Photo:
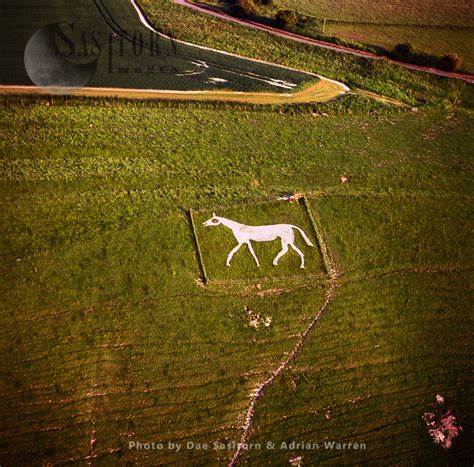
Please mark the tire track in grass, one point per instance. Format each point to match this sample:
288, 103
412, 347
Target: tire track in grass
322, 91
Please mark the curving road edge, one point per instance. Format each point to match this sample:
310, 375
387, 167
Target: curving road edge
325, 45
322, 91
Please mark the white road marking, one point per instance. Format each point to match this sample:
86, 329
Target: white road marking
217, 80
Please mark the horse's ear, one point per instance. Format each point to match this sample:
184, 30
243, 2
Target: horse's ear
214, 214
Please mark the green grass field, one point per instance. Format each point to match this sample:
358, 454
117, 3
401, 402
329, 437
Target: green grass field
426, 12
432, 27
435, 28
109, 334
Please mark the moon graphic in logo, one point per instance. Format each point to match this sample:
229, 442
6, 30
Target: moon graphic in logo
52, 70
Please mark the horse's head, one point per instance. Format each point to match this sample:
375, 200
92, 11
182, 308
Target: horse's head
213, 221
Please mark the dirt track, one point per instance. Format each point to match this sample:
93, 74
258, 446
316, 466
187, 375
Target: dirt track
322, 91
325, 45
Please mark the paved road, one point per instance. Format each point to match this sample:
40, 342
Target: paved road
306, 40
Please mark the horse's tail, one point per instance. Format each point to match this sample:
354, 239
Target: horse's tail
305, 237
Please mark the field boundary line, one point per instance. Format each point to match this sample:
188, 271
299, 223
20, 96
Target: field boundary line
202, 267
317, 227
440, 269
316, 194
296, 278
322, 91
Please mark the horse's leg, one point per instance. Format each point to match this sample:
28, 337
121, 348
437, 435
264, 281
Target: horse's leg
232, 253
253, 253
284, 250
299, 252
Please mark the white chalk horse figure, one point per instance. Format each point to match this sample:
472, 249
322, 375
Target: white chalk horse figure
263, 233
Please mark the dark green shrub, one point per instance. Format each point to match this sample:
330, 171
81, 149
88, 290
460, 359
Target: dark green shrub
246, 7
449, 62
424, 59
403, 52
286, 19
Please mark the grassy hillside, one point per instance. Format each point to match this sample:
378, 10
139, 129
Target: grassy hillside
371, 370
383, 78
431, 26
415, 12
109, 336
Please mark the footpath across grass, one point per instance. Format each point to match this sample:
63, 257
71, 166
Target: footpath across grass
370, 370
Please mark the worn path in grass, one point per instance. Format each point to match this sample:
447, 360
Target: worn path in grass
291, 356
259, 392
325, 45
322, 91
